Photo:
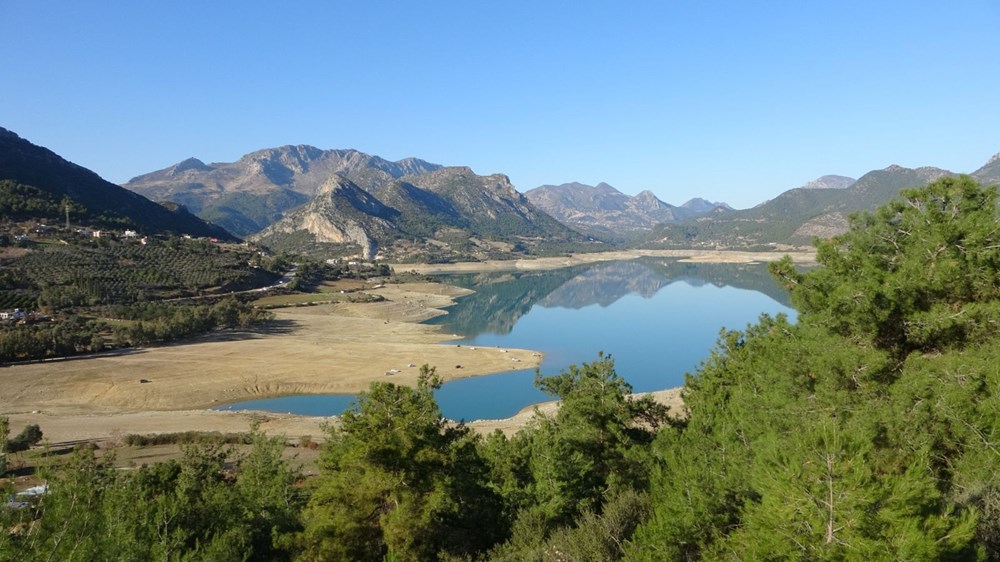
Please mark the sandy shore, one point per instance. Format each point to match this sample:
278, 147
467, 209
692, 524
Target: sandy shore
337, 348
539, 264
333, 348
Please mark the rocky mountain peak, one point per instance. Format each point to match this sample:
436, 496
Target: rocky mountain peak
647, 200
185, 165
830, 182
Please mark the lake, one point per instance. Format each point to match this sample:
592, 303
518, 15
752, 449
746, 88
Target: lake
657, 318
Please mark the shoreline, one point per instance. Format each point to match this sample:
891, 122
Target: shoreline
545, 263
335, 348
325, 349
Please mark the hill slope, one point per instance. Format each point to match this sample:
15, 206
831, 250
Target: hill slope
247, 195
797, 215
37, 172
989, 174
447, 213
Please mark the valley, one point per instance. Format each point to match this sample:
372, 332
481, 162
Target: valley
340, 347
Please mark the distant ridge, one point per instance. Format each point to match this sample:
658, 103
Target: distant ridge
989, 173
819, 209
602, 210
830, 182
105, 203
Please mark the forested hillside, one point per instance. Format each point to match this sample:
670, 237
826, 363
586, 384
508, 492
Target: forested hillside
37, 183
868, 430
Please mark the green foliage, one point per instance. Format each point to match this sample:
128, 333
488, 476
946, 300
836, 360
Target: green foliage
196, 508
919, 274
187, 438
30, 436
591, 446
558, 478
4, 436
19, 201
122, 272
867, 430
397, 478
148, 323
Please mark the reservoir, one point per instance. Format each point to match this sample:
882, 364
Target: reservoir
657, 318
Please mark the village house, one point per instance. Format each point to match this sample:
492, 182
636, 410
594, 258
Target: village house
16, 314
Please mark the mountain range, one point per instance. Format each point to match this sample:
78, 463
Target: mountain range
819, 209
301, 198
43, 183
304, 199
604, 211
248, 195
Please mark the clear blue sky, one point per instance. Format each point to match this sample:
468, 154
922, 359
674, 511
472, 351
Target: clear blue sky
734, 101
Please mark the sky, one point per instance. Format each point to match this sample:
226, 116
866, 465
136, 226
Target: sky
732, 101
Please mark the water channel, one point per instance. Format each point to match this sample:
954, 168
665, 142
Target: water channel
657, 318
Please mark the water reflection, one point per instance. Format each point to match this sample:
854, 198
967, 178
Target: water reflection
502, 298
657, 318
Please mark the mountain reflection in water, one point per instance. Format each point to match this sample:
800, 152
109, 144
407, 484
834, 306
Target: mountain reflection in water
502, 298
658, 319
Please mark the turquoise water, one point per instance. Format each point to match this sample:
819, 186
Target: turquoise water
658, 320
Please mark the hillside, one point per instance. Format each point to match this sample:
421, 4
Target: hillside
989, 174
36, 181
604, 211
449, 213
248, 195
818, 209
341, 214
830, 182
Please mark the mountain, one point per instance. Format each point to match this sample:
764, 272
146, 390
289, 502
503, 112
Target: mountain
989, 174
830, 182
342, 213
797, 215
697, 207
604, 211
446, 213
37, 172
247, 195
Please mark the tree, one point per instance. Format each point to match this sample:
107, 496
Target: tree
593, 444
4, 434
564, 470
866, 430
398, 479
31, 435
920, 273
193, 508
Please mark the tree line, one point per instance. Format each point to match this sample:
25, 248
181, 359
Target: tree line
124, 326
866, 430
